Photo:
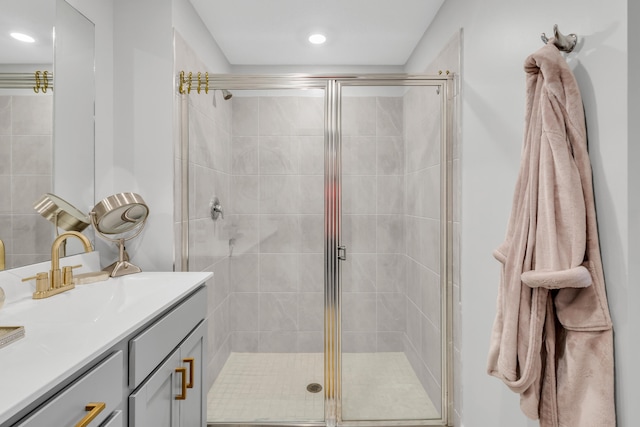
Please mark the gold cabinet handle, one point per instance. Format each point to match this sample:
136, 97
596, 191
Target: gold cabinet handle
183, 372
191, 362
94, 409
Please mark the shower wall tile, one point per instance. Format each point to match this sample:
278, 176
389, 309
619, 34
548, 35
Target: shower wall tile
278, 342
5, 155
245, 272
200, 144
277, 115
391, 311
30, 233
312, 233
359, 194
220, 325
389, 117
278, 311
390, 234
359, 312
245, 231
430, 295
359, 233
221, 150
311, 311
280, 233
359, 342
245, 155
221, 291
311, 272
279, 155
5, 115
243, 311
390, 189
311, 151
31, 155
311, 194
27, 188
244, 119
310, 342
32, 115
391, 273
279, 272
359, 273
390, 341
245, 341
421, 127
358, 155
358, 116
279, 194
310, 116
209, 183
246, 194
424, 186
414, 326
431, 350
5, 196
390, 155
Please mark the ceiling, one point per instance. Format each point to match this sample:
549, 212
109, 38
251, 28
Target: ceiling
33, 17
275, 32
264, 32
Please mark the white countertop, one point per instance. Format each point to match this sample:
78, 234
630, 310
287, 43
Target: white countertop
68, 330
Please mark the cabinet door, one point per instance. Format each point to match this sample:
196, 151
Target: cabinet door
101, 385
154, 403
193, 408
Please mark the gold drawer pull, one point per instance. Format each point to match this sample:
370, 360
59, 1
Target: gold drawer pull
94, 409
183, 372
191, 362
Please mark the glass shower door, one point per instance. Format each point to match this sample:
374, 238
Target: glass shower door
392, 227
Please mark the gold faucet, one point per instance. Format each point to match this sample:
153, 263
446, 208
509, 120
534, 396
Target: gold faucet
58, 281
2, 254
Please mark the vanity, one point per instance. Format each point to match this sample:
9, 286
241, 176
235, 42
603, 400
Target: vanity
128, 351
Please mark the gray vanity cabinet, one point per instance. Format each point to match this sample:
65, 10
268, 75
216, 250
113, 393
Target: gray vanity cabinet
166, 364
95, 396
173, 395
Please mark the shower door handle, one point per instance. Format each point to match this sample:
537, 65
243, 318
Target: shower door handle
342, 253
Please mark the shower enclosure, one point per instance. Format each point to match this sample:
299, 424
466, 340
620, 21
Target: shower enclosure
323, 206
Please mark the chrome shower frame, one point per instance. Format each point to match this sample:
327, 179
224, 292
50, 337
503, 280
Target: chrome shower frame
332, 85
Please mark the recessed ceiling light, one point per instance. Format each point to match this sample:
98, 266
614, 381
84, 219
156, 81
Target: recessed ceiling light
23, 37
317, 38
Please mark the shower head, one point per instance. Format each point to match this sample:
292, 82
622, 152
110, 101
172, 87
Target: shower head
226, 94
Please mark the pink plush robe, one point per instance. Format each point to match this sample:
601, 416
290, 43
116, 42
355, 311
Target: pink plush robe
552, 339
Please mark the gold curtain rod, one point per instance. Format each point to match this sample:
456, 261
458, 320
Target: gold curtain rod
39, 81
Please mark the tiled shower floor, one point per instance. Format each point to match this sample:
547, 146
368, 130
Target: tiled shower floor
254, 387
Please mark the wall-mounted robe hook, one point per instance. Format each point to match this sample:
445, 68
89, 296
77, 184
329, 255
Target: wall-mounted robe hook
562, 42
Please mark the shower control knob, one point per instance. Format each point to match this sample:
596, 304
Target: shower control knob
216, 209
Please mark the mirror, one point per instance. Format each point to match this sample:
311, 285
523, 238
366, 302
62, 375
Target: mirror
46, 139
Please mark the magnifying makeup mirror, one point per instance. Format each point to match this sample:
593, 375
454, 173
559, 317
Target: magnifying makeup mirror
123, 214
62, 214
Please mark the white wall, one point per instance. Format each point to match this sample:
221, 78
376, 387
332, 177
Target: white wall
498, 36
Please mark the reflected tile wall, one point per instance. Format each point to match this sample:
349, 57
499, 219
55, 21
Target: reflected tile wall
25, 174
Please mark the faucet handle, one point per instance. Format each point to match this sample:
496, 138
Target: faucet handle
42, 281
67, 274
